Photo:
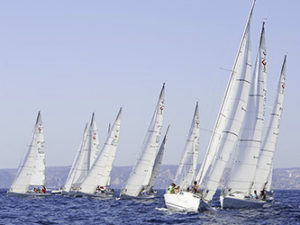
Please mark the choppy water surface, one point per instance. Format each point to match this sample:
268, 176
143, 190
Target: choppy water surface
65, 210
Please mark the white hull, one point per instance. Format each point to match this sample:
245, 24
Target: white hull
97, 195
141, 197
183, 201
33, 194
233, 202
56, 192
70, 193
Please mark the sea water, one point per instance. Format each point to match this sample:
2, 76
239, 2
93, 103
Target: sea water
58, 209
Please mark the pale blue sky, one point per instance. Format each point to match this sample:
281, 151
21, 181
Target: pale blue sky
70, 58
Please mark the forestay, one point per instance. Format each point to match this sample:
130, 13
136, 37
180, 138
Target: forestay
247, 151
187, 167
264, 166
99, 174
157, 162
32, 168
73, 170
142, 171
231, 116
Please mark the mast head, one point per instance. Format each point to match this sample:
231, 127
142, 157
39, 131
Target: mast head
39, 117
92, 120
119, 114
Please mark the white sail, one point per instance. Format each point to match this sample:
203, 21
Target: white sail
187, 167
83, 164
142, 171
72, 172
158, 161
247, 151
269, 182
32, 169
264, 166
230, 118
99, 174
94, 140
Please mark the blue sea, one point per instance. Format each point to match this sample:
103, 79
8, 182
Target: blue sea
57, 209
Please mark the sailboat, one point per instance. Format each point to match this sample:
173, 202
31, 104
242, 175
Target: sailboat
141, 173
185, 200
86, 154
30, 178
237, 193
263, 173
156, 168
74, 172
229, 122
97, 182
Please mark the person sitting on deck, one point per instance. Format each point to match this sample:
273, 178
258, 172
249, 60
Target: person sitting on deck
102, 189
195, 188
171, 188
255, 195
263, 194
44, 190
151, 191
177, 189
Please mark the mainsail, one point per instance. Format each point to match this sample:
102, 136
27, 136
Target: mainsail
99, 174
32, 169
247, 151
264, 166
187, 167
94, 140
142, 171
73, 171
157, 162
230, 118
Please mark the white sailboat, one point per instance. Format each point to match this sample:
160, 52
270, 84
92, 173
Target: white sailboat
142, 171
31, 173
74, 173
230, 119
89, 149
185, 200
238, 188
263, 174
157, 164
97, 182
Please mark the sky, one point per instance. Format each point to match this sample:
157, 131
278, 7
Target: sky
71, 58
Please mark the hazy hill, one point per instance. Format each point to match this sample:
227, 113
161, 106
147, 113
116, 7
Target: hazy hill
287, 178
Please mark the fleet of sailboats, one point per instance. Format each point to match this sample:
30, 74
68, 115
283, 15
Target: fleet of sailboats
238, 142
